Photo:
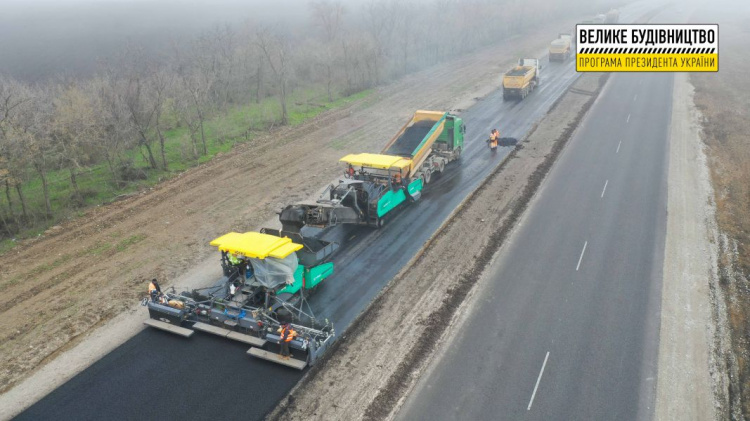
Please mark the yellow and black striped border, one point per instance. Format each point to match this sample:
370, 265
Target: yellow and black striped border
647, 47
644, 50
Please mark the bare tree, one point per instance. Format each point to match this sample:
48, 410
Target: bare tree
135, 94
194, 103
160, 83
116, 131
329, 17
75, 129
276, 49
30, 133
15, 98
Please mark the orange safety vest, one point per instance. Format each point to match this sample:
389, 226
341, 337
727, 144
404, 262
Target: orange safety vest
287, 335
397, 178
151, 287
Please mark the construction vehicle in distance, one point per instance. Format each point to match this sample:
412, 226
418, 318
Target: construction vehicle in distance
266, 280
521, 80
376, 184
613, 16
560, 48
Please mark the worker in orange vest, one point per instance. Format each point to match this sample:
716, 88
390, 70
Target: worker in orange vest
350, 171
494, 139
154, 290
286, 334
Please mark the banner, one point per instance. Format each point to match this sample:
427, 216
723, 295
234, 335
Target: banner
647, 48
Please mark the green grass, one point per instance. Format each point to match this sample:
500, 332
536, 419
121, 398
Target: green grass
225, 129
6, 245
133, 239
98, 249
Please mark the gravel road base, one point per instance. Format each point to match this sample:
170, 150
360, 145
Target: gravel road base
383, 354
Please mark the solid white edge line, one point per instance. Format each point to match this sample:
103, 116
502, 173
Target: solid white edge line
605, 188
628, 120
618, 147
582, 251
538, 379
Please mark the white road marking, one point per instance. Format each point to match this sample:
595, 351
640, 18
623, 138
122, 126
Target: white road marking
628, 121
635, 97
538, 379
581, 258
618, 146
605, 188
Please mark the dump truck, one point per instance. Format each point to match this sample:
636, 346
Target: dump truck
267, 279
613, 16
376, 184
521, 80
560, 48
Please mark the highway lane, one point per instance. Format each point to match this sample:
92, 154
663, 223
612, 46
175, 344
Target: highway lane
565, 324
155, 374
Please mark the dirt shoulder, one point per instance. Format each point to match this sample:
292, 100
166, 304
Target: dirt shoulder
380, 359
58, 289
685, 387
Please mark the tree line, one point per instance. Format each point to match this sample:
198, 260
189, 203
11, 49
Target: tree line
66, 126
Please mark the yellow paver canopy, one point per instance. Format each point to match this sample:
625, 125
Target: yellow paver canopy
256, 245
372, 160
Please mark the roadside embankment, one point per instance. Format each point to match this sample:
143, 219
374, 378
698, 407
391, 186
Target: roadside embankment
723, 100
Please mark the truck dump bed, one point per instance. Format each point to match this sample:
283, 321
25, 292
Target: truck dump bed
518, 71
416, 138
406, 143
518, 77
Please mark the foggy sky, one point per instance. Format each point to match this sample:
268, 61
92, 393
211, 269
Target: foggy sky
41, 38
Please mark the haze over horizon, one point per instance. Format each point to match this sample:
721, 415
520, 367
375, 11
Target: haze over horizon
42, 38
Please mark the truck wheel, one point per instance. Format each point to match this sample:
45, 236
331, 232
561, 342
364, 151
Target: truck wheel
380, 222
427, 177
457, 153
441, 166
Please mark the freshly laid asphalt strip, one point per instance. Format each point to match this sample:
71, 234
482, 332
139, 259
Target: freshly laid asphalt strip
156, 375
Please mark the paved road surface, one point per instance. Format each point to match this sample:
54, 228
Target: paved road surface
569, 313
155, 374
